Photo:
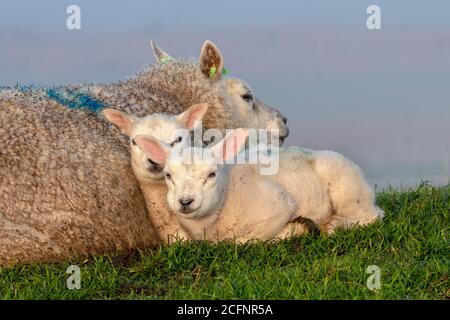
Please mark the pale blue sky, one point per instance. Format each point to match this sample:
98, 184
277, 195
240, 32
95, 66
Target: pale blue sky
380, 97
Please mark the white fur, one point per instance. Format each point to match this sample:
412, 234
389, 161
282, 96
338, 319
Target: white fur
241, 204
351, 197
238, 203
225, 206
167, 129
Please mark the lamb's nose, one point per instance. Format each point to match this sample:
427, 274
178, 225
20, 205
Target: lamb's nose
284, 119
186, 202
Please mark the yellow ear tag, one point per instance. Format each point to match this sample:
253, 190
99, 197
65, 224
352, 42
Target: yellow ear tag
212, 71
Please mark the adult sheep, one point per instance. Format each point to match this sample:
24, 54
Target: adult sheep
66, 185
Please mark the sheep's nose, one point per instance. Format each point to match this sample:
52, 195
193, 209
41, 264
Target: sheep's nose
186, 202
281, 116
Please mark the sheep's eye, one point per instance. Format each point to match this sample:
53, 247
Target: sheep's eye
177, 140
212, 175
248, 97
168, 176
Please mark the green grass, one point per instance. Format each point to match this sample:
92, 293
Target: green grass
411, 247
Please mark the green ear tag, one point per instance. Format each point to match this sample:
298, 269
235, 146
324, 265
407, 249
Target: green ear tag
165, 59
212, 71
224, 71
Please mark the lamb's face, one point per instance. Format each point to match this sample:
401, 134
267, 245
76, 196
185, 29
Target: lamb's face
166, 129
197, 178
195, 187
169, 130
248, 111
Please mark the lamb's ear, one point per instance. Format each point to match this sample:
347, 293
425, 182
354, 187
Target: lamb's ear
156, 150
231, 145
119, 119
159, 54
211, 61
194, 113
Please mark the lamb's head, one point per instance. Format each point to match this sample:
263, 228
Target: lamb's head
168, 129
233, 104
197, 178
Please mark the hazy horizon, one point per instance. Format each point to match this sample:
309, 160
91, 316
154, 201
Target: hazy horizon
380, 97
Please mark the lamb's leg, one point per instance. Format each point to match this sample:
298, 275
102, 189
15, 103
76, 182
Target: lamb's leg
352, 198
340, 221
292, 229
297, 227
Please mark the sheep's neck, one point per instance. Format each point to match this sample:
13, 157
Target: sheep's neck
163, 88
199, 228
149, 89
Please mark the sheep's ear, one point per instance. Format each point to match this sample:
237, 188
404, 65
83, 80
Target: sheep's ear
231, 145
159, 54
192, 114
211, 61
155, 149
119, 119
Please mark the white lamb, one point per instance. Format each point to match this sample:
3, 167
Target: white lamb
352, 198
168, 129
215, 201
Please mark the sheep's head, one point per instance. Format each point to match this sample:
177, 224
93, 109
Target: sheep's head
233, 104
197, 178
169, 130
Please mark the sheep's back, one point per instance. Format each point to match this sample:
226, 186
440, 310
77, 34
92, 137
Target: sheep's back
66, 185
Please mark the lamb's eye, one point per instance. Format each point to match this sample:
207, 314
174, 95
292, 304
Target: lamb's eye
212, 175
248, 97
177, 140
168, 176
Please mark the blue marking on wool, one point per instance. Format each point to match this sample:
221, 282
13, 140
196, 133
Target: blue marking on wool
71, 98
74, 99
